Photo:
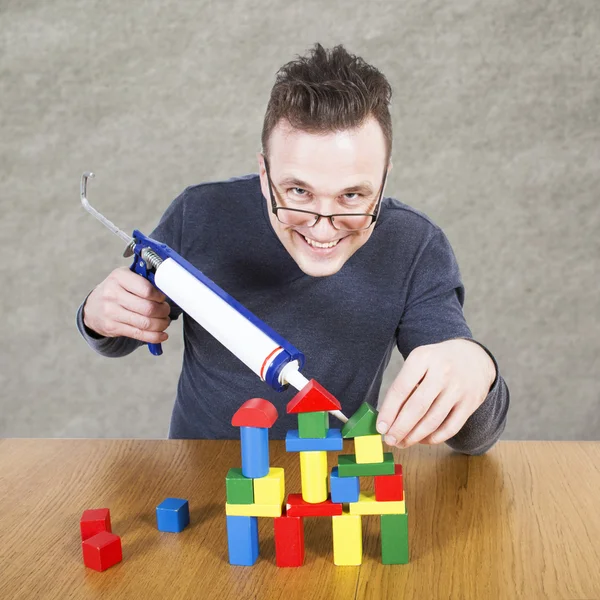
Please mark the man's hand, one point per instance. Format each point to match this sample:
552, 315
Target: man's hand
439, 387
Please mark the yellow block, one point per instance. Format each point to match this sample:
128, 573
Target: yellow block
313, 473
367, 505
253, 510
271, 488
347, 539
368, 448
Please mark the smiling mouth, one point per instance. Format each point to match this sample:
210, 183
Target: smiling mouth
314, 245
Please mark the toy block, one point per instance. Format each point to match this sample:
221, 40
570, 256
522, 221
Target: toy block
271, 488
94, 521
362, 422
394, 539
255, 451
347, 539
348, 467
332, 441
256, 412
343, 489
242, 540
368, 505
102, 551
253, 510
313, 476
297, 507
313, 424
389, 487
289, 541
173, 515
239, 489
368, 449
313, 397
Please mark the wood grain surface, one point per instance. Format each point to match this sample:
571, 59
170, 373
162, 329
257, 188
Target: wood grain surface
522, 521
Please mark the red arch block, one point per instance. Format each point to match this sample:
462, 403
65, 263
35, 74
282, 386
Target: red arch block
256, 412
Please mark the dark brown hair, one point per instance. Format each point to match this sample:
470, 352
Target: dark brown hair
328, 90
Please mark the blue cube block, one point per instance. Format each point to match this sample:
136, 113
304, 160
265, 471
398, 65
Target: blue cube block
173, 515
255, 451
242, 540
343, 489
332, 441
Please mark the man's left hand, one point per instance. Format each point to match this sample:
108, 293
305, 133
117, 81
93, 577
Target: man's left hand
438, 388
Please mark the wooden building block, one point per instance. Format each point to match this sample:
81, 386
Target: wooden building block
94, 521
343, 489
362, 422
313, 424
253, 510
271, 488
347, 539
348, 467
289, 541
255, 451
102, 551
369, 449
389, 487
394, 539
242, 540
173, 515
313, 474
239, 489
297, 507
368, 505
313, 397
332, 441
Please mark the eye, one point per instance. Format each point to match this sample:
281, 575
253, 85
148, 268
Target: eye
298, 192
352, 196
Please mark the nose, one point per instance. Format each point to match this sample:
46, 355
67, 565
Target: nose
323, 231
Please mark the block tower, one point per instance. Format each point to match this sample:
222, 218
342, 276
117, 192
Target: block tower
255, 490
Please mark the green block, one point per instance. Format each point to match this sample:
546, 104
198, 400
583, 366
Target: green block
240, 489
313, 424
348, 467
394, 539
362, 422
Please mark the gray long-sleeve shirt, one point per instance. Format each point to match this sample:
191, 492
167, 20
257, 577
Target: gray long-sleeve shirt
402, 287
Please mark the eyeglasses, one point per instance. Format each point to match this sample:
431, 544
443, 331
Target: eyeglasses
306, 218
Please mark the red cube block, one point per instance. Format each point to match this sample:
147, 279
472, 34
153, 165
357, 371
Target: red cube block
289, 541
389, 487
94, 521
102, 551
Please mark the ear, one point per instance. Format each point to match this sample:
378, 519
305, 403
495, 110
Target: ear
262, 173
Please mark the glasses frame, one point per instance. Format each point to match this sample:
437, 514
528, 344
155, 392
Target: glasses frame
275, 208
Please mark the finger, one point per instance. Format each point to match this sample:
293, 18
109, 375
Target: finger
149, 337
450, 427
141, 306
127, 317
402, 387
414, 409
138, 285
435, 416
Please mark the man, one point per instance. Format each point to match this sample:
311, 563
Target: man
313, 248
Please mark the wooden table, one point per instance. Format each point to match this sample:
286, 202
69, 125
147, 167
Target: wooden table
522, 521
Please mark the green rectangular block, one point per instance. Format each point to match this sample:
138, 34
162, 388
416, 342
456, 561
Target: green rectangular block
394, 539
240, 489
313, 424
348, 467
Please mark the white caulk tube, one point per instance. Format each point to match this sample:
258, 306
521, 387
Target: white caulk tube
262, 350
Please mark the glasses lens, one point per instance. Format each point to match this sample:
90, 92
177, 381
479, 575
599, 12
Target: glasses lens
352, 222
289, 216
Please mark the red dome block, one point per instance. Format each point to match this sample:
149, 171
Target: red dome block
313, 397
256, 412
389, 487
94, 521
102, 551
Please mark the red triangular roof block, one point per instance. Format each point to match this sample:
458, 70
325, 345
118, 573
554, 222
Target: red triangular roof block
313, 397
256, 412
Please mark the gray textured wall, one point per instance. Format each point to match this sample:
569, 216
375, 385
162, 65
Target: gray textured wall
496, 110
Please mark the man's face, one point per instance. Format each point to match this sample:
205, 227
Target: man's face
329, 173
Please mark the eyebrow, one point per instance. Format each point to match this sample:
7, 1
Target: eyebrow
364, 187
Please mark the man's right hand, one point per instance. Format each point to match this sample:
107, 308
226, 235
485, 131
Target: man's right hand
126, 304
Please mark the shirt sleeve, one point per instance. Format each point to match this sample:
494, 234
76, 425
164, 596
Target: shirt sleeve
434, 313
168, 231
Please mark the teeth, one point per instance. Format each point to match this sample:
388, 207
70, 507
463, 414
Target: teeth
319, 245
